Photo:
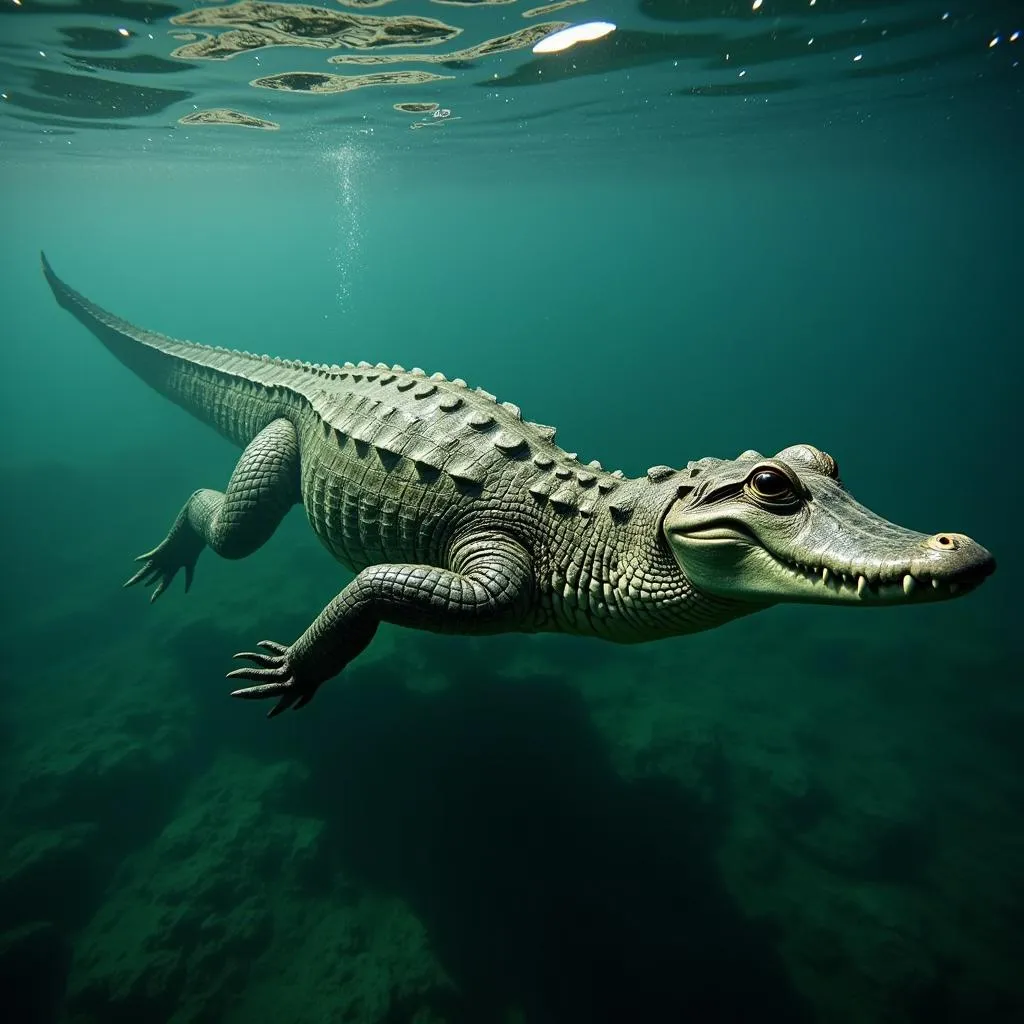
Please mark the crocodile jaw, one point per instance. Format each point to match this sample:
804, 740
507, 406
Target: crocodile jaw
809, 542
730, 562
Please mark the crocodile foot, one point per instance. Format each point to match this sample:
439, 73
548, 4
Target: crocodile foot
275, 675
179, 550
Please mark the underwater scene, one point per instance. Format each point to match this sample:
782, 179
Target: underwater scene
708, 708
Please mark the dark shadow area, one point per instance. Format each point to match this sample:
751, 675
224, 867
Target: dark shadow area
34, 962
546, 882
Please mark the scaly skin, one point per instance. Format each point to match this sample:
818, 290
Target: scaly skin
458, 516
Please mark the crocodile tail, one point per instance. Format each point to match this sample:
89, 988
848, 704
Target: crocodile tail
189, 374
153, 357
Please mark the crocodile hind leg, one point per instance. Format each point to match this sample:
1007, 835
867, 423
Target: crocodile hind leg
235, 522
486, 588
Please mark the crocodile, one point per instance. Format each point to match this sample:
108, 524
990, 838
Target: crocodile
458, 516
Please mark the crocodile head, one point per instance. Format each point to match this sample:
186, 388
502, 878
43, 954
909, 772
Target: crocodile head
784, 529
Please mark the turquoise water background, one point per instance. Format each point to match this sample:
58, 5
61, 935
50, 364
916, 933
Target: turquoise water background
813, 814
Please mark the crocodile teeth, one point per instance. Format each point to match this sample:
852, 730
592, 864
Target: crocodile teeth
825, 575
862, 585
908, 584
935, 584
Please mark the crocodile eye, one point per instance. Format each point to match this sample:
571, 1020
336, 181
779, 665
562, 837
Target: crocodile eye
771, 485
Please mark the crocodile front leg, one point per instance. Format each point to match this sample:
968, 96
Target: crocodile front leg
487, 588
235, 523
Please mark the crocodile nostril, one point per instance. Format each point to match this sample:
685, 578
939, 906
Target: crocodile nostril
942, 542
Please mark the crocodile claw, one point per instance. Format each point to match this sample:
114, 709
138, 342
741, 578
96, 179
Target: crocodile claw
274, 676
161, 565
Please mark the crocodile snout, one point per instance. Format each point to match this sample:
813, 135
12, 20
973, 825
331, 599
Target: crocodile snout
955, 557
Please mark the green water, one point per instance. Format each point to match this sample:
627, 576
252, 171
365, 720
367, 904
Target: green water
814, 814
